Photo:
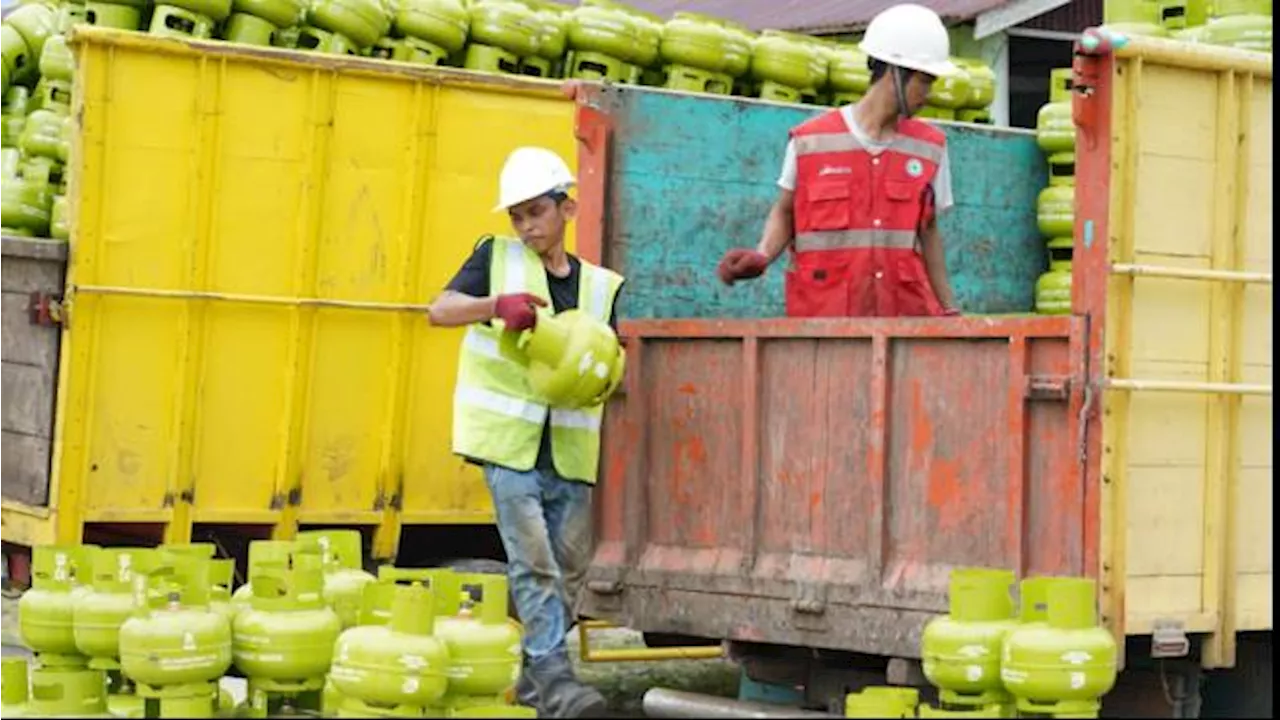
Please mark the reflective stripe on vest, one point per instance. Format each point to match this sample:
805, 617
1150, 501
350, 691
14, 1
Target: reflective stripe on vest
848, 198
496, 416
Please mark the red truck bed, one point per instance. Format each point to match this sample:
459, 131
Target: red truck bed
812, 483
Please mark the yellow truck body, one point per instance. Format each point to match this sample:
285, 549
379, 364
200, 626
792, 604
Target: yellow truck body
256, 234
1183, 196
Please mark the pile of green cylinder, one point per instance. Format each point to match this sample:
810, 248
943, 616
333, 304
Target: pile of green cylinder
1243, 24
36, 127
1055, 207
990, 658
142, 632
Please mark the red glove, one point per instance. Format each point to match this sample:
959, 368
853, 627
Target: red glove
741, 264
518, 310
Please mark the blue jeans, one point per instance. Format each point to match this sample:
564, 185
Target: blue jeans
545, 524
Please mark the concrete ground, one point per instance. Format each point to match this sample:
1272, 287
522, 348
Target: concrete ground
623, 684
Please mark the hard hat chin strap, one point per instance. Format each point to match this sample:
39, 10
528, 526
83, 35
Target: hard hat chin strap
900, 78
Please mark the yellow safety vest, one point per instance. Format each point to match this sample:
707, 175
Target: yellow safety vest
496, 416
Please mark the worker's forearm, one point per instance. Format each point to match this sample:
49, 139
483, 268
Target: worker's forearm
935, 264
454, 309
779, 230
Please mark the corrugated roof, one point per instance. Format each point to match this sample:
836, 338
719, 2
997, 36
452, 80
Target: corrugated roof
812, 16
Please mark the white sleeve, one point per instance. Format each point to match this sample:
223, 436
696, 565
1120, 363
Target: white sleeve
787, 180
942, 198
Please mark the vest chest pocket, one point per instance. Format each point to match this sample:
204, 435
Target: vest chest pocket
906, 202
829, 204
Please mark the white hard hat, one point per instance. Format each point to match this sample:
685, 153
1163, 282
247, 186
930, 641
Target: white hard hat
531, 172
910, 36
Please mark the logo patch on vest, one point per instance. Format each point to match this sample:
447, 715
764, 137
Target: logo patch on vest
915, 168
834, 170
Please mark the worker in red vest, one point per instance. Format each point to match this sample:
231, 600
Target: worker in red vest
861, 189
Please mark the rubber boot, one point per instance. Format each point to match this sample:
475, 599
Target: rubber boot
560, 693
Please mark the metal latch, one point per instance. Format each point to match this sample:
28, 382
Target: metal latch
1169, 640
44, 309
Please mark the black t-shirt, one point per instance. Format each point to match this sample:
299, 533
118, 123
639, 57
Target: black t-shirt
473, 279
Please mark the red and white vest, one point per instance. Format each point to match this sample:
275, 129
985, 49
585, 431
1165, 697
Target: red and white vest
857, 218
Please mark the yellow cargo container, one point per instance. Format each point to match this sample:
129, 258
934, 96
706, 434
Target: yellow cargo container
258, 231
1176, 176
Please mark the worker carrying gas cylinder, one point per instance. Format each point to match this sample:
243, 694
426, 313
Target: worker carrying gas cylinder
539, 462
862, 187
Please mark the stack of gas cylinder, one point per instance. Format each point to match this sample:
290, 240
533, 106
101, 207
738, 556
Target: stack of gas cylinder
595, 40
1055, 207
36, 129
989, 659
129, 632
1244, 24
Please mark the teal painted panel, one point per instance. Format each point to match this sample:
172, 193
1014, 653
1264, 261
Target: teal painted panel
693, 175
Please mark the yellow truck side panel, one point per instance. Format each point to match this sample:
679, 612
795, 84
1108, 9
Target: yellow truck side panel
1191, 201
219, 388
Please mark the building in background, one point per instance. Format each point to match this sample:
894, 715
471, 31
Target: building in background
1020, 39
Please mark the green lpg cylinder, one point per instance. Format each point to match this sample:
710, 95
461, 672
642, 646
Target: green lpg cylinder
13, 687
553, 18
598, 28
882, 702
1056, 211
648, 34
9, 159
739, 45
780, 58
361, 22
1065, 664
1062, 169
483, 642
35, 23
221, 574
176, 647
255, 22
982, 83
1053, 289
1055, 129
56, 61
260, 552
112, 15
401, 665
17, 56
108, 603
26, 208
60, 574
961, 650
103, 610
849, 73
42, 134
344, 579
575, 360
284, 642
442, 23
1060, 84
952, 91
696, 41
510, 26
1144, 17
1244, 32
